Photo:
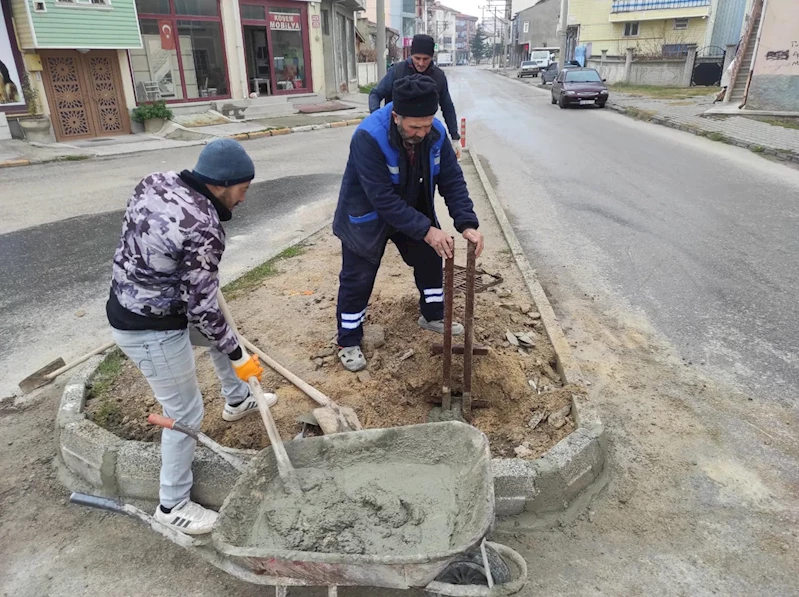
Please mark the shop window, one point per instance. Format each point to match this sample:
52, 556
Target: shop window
156, 71
153, 7
253, 12
285, 25
197, 8
203, 58
180, 59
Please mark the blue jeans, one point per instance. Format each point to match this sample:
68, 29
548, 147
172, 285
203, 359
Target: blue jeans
166, 360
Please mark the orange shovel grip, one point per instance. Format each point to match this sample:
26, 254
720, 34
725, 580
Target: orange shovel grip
160, 420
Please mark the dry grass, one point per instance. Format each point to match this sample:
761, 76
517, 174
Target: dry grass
675, 93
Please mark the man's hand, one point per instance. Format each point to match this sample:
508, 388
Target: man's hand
441, 242
245, 369
456, 146
476, 237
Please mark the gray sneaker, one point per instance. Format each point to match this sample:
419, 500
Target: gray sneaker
438, 326
352, 358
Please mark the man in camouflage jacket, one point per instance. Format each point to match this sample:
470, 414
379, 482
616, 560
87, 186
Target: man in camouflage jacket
165, 281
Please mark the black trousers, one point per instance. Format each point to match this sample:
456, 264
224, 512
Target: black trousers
357, 279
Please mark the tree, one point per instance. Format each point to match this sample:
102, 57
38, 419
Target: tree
478, 45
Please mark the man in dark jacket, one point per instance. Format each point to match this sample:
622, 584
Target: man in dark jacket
398, 156
421, 62
165, 279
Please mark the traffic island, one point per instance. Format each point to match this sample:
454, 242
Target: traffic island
547, 440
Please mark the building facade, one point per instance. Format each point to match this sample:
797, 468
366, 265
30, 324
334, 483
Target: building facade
535, 27
465, 30
774, 75
92, 61
650, 27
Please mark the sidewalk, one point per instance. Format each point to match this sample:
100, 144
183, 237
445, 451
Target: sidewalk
20, 153
690, 115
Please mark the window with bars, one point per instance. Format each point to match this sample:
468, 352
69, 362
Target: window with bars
680, 24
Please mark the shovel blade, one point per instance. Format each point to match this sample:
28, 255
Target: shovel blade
342, 421
39, 378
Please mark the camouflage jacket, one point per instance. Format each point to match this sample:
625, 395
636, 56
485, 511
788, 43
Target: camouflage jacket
167, 261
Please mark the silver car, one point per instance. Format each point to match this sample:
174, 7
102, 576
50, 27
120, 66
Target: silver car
528, 68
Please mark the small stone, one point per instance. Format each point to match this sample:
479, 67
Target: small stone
504, 293
558, 418
515, 318
536, 419
246, 441
590, 516
407, 355
534, 315
523, 451
318, 363
526, 339
526, 308
326, 352
508, 306
486, 279
328, 360
374, 336
364, 376
80, 313
511, 337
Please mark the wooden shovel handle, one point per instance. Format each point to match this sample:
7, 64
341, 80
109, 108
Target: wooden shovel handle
78, 361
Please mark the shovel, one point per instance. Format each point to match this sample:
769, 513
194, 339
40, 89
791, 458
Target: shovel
331, 417
49, 372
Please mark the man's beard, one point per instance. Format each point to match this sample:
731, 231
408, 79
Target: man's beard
410, 140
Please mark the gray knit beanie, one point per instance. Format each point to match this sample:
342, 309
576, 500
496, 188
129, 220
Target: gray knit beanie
224, 163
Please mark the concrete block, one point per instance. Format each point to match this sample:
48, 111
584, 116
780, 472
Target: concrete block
138, 473
138, 470
278, 132
213, 478
513, 478
584, 412
90, 452
73, 400
319, 127
567, 469
302, 129
509, 506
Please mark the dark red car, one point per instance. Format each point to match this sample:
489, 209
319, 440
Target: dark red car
579, 87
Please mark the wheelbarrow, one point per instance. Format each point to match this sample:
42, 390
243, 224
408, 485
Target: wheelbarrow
459, 563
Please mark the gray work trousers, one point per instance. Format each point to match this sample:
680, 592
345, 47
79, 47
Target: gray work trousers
166, 360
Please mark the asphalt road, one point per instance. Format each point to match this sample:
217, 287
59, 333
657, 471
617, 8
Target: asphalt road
57, 242
698, 237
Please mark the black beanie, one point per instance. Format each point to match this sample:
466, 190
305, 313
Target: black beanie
415, 95
423, 44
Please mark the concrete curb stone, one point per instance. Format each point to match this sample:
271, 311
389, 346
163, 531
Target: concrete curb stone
130, 470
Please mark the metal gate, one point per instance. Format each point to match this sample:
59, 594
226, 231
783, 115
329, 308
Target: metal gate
709, 67
84, 92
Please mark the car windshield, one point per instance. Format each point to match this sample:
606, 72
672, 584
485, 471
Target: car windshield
582, 76
539, 55
528, 63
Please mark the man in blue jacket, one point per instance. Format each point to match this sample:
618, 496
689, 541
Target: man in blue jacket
420, 62
398, 156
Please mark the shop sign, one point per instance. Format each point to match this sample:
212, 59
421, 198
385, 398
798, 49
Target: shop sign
316, 22
10, 83
279, 21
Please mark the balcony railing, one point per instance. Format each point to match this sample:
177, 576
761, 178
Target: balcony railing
636, 5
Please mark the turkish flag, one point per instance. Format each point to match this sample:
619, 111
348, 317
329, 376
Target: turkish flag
167, 35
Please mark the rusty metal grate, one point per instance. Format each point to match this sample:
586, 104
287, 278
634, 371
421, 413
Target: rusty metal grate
479, 280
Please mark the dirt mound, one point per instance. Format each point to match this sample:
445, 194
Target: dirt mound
292, 317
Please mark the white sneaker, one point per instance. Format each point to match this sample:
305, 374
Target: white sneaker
248, 407
188, 517
438, 326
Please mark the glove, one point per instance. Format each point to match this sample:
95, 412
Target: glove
247, 367
456, 146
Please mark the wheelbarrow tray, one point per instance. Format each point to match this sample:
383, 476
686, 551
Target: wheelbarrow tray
460, 447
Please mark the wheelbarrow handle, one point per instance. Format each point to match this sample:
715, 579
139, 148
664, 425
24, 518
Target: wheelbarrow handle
95, 501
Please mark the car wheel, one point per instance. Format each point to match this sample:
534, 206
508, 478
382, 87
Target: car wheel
601, 104
563, 103
554, 101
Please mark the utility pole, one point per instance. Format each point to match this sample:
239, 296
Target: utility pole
564, 27
381, 39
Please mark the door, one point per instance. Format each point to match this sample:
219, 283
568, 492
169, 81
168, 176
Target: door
84, 92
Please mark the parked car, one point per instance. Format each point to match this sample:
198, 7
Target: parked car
548, 75
579, 87
528, 68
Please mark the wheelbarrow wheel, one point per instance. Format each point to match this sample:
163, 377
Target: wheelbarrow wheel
469, 569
